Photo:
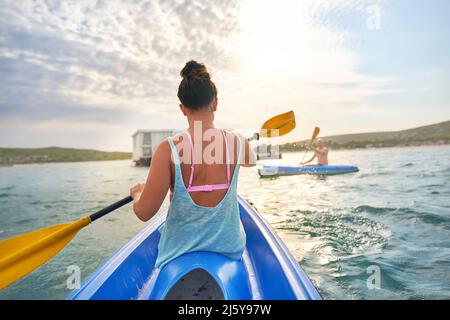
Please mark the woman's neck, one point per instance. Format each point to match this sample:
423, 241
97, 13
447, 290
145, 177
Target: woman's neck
205, 118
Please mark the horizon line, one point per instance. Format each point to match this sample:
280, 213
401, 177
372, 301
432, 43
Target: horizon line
293, 141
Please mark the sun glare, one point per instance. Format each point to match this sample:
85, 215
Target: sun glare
272, 33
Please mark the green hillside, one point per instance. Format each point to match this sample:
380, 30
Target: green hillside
55, 154
433, 134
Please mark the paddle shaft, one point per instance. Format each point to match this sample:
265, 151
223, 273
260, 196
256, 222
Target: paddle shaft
306, 151
110, 208
253, 137
315, 134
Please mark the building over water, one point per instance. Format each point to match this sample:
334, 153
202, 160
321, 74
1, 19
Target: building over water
145, 143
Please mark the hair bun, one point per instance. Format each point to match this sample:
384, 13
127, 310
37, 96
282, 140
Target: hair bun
195, 70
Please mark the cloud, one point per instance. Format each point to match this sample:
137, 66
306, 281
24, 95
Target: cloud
116, 64
119, 52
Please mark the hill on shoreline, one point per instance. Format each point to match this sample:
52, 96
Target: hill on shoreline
434, 134
9, 156
427, 135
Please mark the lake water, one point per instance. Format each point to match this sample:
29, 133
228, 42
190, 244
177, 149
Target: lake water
392, 216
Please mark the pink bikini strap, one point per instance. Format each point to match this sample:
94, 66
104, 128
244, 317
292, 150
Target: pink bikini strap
192, 159
209, 187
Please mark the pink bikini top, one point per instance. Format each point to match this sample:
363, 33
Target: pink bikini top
208, 187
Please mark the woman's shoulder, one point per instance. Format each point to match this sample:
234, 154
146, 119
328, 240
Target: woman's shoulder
164, 146
234, 135
177, 138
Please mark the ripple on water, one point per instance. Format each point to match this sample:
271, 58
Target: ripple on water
5, 195
409, 164
405, 214
24, 221
7, 188
341, 230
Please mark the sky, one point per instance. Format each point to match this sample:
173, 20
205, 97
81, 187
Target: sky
87, 74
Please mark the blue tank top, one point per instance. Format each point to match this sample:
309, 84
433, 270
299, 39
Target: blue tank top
190, 227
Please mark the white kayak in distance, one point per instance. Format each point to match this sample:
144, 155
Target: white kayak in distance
274, 171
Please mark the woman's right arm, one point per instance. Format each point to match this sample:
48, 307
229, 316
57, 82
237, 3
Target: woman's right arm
148, 198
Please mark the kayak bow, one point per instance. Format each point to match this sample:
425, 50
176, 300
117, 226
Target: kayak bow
267, 270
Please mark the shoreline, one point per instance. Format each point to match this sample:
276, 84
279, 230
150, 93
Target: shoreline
15, 156
6, 165
375, 148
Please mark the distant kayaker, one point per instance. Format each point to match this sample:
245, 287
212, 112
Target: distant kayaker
200, 166
320, 152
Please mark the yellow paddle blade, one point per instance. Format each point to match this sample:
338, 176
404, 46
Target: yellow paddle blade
22, 254
279, 125
315, 133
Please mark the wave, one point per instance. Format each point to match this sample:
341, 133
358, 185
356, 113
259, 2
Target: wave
407, 213
338, 230
8, 188
432, 186
370, 209
24, 221
409, 164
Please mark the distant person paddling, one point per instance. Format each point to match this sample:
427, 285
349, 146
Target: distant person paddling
320, 152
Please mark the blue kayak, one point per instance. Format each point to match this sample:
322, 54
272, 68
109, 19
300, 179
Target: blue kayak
267, 270
273, 171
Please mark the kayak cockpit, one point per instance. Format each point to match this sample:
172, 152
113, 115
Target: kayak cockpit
200, 275
195, 285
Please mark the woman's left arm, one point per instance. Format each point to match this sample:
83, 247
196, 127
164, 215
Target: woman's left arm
148, 197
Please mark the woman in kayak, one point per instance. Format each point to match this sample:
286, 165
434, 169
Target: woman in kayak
321, 153
202, 176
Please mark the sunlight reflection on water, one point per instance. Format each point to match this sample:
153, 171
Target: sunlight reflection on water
395, 215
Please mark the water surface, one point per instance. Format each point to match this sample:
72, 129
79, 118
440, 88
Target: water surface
394, 214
